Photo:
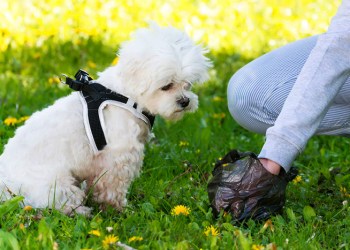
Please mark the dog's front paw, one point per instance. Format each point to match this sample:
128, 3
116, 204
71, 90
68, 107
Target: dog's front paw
83, 210
86, 211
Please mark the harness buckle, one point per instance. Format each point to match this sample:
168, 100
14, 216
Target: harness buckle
82, 79
82, 76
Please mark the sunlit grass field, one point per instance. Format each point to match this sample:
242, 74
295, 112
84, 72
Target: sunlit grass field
168, 205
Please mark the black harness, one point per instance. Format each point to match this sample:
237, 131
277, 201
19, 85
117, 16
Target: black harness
94, 95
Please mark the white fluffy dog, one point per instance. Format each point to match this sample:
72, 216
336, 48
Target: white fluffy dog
51, 154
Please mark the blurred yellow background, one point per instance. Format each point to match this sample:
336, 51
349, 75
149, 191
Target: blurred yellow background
249, 27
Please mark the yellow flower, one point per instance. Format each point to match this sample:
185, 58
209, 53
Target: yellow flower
211, 231
54, 79
344, 192
115, 61
180, 209
297, 179
10, 121
257, 247
109, 240
183, 143
23, 118
135, 238
95, 232
27, 208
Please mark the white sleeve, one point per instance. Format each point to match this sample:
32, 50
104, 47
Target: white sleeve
319, 81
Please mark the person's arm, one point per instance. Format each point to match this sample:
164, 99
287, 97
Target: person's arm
321, 78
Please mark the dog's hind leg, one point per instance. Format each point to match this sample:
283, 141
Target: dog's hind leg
67, 197
111, 190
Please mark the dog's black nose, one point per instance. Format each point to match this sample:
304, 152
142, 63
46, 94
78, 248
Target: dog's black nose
183, 102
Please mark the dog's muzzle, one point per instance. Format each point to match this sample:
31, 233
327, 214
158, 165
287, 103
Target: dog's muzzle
183, 102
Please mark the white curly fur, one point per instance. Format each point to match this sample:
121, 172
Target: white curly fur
50, 155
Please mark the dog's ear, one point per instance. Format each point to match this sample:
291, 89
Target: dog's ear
134, 75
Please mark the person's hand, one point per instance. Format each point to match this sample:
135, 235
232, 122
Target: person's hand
244, 188
271, 166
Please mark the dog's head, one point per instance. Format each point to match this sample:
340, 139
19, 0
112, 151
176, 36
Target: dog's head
158, 68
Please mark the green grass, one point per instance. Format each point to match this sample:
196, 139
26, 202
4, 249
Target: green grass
173, 173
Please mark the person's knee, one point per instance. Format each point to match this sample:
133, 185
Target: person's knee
239, 94
243, 103
239, 101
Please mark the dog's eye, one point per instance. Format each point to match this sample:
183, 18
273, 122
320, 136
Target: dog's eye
167, 87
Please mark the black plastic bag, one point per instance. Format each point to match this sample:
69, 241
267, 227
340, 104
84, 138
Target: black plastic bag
243, 187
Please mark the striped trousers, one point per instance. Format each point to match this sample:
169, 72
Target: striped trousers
256, 92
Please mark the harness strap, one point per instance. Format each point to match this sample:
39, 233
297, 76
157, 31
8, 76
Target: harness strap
95, 95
